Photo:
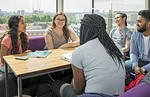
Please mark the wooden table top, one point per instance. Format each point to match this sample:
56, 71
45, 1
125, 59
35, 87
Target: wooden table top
37, 65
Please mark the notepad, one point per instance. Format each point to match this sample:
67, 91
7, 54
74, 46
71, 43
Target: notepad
66, 57
39, 54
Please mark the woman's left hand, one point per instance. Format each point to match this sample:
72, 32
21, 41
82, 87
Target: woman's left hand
63, 46
27, 51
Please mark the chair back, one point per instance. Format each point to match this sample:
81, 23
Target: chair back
36, 43
141, 90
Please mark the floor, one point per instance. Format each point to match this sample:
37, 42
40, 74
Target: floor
43, 86
43, 91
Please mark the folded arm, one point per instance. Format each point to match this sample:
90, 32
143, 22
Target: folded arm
75, 41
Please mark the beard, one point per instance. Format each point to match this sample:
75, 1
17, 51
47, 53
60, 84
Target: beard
141, 29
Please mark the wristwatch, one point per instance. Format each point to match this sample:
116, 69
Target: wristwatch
144, 70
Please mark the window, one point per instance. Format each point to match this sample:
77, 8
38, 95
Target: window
37, 13
75, 9
108, 8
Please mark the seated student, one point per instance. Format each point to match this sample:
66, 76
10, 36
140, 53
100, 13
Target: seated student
140, 44
15, 41
122, 34
97, 64
58, 34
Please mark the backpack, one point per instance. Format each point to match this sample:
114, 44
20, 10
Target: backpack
134, 82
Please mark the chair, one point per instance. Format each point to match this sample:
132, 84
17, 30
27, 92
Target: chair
141, 90
36, 43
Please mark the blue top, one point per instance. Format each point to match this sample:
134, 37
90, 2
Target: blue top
137, 50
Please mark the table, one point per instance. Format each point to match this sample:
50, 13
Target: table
32, 67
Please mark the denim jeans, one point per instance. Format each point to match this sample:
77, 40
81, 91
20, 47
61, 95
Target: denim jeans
128, 65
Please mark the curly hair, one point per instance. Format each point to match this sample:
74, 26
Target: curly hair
65, 28
94, 26
13, 33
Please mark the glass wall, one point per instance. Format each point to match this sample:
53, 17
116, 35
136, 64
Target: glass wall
37, 13
75, 9
108, 8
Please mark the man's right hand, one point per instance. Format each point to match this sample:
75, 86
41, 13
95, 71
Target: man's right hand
138, 70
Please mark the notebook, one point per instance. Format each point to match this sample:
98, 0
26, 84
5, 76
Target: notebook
66, 57
39, 54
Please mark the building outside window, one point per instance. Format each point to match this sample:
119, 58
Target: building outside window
75, 10
108, 8
37, 13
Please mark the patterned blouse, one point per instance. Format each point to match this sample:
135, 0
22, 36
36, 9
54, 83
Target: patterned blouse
120, 36
57, 40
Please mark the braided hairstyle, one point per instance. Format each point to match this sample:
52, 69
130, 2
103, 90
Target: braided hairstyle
13, 33
94, 26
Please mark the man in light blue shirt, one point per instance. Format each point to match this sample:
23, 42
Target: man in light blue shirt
140, 45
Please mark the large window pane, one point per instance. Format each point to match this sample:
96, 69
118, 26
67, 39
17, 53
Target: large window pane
108, 8
75, 9
37, 13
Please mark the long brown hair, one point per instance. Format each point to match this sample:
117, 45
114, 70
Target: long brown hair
13, 33
65, 28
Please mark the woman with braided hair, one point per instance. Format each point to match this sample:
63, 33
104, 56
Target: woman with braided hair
97, 64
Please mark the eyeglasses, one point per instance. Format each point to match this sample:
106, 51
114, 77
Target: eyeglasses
60, 19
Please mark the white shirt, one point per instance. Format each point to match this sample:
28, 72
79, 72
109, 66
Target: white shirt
146, 48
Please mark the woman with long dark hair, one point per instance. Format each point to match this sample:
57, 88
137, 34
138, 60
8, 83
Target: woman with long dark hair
15, 41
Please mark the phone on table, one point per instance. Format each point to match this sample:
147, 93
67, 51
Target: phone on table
21, 58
